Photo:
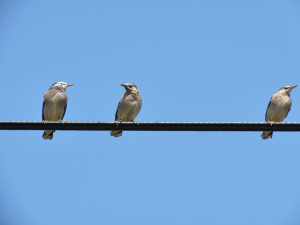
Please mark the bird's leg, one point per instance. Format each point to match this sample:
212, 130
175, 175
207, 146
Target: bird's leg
63, 121
118, 121
283, 122
44, 121
271, 122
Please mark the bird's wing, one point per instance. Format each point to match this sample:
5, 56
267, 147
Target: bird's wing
64, 112
266, 119
138, 106
43, 117
116, 115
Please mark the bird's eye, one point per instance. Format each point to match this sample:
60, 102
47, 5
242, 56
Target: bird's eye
130, 86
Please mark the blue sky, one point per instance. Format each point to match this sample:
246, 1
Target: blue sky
193, 61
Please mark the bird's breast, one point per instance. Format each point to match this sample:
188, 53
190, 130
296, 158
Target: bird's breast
54, 107
129, 108
279, 108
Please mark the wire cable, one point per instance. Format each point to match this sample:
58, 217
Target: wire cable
149, 126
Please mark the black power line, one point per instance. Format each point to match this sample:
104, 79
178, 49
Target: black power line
148, 126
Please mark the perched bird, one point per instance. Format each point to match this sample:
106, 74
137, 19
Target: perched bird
128, 108
54, 105
278, 108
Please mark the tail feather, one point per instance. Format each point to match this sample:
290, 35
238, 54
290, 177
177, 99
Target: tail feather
116, 133
48, 134
267, 135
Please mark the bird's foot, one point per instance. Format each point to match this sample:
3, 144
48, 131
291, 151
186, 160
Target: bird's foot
118, 121
138, 122
283, 122
44, 121
271, 122
63, 121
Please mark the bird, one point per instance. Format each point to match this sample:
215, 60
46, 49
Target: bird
128, 108
278, 108
54, 105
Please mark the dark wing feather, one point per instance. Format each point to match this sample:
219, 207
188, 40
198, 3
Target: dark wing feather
43, 117
266, 119
64, 112
116, 115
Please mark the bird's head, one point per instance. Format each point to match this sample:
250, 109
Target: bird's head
61, 85
287, 89
130, 87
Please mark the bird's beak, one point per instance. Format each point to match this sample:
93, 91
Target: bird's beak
124, 85
293, 87
69, 85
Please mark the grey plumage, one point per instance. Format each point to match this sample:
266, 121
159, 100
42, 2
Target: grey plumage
54, 105
129, 106
278, 108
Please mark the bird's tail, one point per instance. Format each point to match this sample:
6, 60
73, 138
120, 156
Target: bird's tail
48, 134
267, 135
116, 133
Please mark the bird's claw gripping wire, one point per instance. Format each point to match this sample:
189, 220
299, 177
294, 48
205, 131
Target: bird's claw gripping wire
118, 121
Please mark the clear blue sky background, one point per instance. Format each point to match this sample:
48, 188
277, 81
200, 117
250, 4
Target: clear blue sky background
193, 61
